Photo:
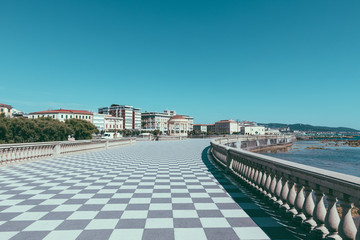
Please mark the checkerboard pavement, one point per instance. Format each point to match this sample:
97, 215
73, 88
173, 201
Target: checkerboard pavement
151, 190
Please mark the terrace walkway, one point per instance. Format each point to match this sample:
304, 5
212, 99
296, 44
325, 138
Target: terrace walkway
151, 190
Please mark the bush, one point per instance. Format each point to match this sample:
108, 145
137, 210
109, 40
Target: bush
23, 130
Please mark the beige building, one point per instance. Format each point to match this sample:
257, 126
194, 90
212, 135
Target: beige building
178, 126
5, 109
63, 114
226, 127
113, 123
151, 121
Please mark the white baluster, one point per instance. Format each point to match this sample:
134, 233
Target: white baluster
347, 228
320, 231
332, 219
278, 189
272, 189
284, 195
308, 209
291, 198
299, 202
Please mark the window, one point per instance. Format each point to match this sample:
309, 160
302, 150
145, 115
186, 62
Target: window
62, 116
53, 116
2, 110
66, 116
70, 116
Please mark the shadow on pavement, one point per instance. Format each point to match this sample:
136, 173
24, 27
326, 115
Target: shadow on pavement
263, 215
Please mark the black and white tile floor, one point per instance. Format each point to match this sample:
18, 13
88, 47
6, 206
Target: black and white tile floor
151, 190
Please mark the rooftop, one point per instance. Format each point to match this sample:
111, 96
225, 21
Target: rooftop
68, 111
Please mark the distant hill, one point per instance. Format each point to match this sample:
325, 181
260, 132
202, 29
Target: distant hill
307, 127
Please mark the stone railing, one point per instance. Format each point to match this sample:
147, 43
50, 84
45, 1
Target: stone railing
307, 195
10, 153
166, 138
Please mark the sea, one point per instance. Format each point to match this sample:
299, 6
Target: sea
338, 158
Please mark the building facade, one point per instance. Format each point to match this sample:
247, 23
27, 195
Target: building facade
253, 130
63, 114
151, 121
113, 124
226, 127
204, 128
5, 109
178, 126
131, 116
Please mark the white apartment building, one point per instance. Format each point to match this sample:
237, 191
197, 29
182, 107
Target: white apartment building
112, 124
99, 121
270, 131
106, 123
131, 116
151, 121
63, 114
253, 130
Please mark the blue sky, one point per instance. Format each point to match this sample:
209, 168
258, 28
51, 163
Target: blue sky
265, 61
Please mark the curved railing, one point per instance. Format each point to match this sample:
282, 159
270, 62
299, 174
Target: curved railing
298, 191
10, 153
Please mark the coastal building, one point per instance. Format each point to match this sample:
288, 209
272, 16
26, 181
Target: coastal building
270, 131
113, 124
131, 116
151, 121
108, 123
99, 121
253, 130
63, 114
15, 113
204, 128
226, 126
178, 125
5, 109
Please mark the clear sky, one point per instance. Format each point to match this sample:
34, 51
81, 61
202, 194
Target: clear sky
265, 61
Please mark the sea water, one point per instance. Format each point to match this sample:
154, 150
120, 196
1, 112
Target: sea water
340, 158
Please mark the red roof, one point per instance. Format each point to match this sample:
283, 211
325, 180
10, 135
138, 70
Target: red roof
66, 111
5, 105
223, 121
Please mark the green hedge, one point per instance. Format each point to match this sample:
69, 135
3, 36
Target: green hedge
23, 130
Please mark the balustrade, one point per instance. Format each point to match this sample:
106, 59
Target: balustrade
32, 151
299, 192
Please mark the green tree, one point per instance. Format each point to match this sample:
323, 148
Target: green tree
81, 129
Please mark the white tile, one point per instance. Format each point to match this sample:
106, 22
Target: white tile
134, 214
43, 225
214, 222
159, 223
160, 206
250, 233
205, 206
189, 233
128, 234
102, 224
63, 234
234, 213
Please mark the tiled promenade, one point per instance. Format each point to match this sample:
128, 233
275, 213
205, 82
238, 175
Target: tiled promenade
151, 190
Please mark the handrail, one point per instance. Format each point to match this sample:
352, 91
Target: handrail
10, 153
290, 188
